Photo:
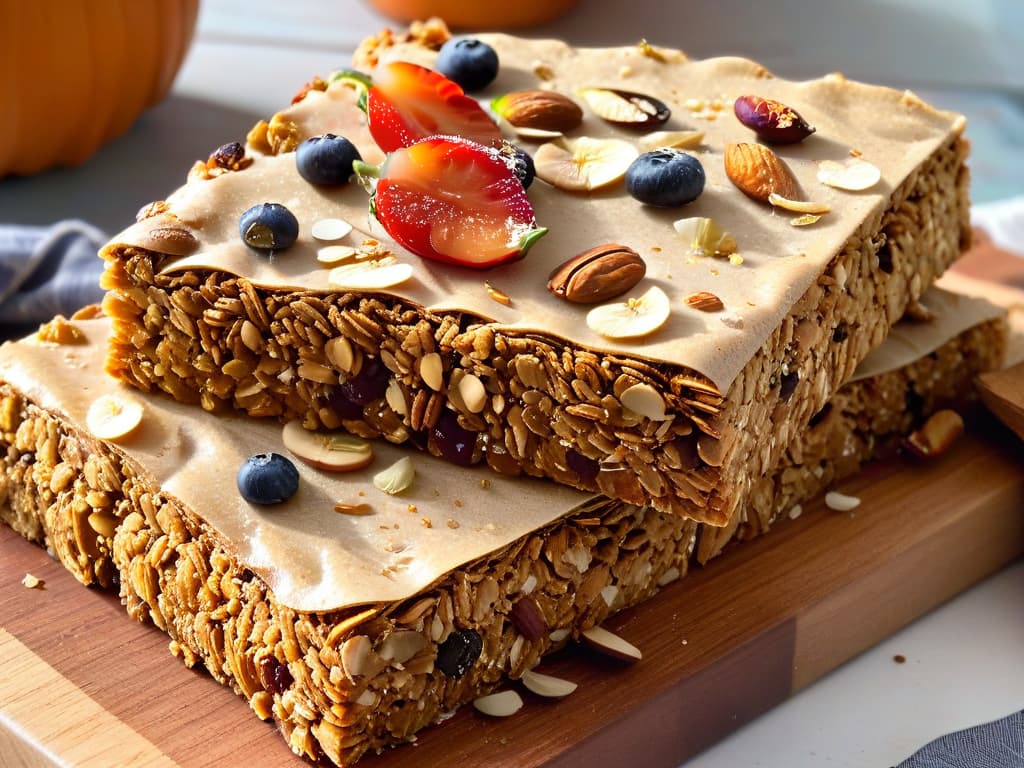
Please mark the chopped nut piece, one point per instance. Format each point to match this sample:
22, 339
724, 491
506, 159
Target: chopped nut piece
396, 478
60, 330
546, 685
798, 206
353, 509
497, 295
705, 301
501, 704
32, 582
806, 220
840, 502
111, 417
705, 237
937, 435
671, 139
855, 175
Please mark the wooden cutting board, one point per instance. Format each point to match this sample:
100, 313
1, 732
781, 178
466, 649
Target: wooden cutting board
84, 684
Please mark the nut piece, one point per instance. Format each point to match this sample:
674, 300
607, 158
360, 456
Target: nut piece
598, 274
806, 207
330, 229
705, 301
771, 120
395, 478
644, 400
758, 172
501, 704
841, 502
584, 164
546, 685
611, 644
937, 435
671, 139
541, 110
528, 619
111, 417
705, 237
631, 318
334, 451
171, 240
626, 107
370, 275
855, 175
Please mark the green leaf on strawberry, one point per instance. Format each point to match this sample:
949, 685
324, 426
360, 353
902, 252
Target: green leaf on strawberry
452, 200
407, 102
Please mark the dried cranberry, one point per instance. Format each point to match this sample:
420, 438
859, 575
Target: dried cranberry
274, 675
459, 652
453, 441
369, 384
342, 406
787, 385
586, 469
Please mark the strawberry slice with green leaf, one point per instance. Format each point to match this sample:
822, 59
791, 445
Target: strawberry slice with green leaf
452, 200
407, 102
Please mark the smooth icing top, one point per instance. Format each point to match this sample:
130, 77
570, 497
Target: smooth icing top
895, 131
312, 557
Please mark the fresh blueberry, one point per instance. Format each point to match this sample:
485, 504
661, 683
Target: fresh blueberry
665, 177
267, 478
523, 166
326, 159
471, 63
459, 652
268, 227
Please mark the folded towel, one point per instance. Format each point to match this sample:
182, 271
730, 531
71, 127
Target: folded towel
46, 271
999, 744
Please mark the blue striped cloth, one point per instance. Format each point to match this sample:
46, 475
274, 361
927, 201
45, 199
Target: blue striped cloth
46, 271
999, 744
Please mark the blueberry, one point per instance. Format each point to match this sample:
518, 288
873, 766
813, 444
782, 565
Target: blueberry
326, 159
523, 166
471, 63
459, 652
267, 478
665, 177
268, 227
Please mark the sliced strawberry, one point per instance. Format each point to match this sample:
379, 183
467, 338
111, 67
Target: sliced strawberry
408, 102
456, 201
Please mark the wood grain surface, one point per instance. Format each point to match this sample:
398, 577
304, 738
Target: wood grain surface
85, 685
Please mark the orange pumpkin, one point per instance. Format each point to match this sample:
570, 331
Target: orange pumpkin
476, 14
75, 74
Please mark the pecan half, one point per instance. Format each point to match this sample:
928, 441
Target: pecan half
598, 274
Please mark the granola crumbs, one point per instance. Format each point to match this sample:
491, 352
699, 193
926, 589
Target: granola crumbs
453, 524
426, 522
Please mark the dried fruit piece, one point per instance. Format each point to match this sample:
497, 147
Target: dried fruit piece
455, 201
705, 237
547, 685
539, 110
459, 652
267, 478
407, 103
632, 318
854, 175
501, 704
370, 275
611, 644
758, 172
771, 120
598, 274
705, 301
396, 478
584, 164
937, 435
673, 139
111, 417
626, 107
334, 451
528, 619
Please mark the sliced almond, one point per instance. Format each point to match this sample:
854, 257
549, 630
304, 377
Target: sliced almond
333, 255
396, 398
473, 393
798, 206
611, 644
672, 139
536, 134
547, 685
402, 645
805, 220
644, 400
370, 275
432, 371
758, 172
340, 353
396, 478
855, 175
584, 164
111, 417
632, 318
501, 704
330, 229
626, 107
333, 451
841, 502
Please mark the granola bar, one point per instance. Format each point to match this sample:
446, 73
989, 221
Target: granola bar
342, 628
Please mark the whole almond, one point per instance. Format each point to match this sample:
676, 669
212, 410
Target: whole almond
539, 110
758, 172
528, 619
168, 239
598, 274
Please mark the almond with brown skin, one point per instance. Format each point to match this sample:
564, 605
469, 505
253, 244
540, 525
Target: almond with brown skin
528, 619
539, 110
598, 274
705, 301
759, 173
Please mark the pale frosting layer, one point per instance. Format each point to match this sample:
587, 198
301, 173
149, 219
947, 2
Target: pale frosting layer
892, 130
314, 558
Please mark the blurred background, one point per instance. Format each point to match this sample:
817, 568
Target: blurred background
248, 57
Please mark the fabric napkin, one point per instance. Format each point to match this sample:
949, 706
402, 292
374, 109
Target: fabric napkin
46, 271
999, 744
